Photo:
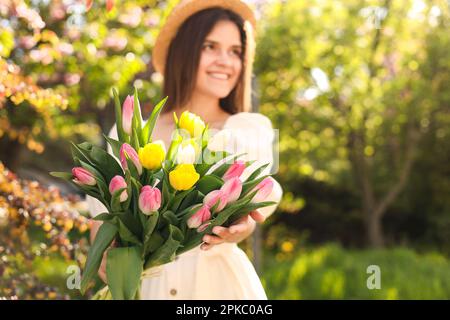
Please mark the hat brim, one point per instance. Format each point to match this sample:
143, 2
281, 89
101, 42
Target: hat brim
183, 11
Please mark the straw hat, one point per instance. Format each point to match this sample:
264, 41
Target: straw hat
187, 8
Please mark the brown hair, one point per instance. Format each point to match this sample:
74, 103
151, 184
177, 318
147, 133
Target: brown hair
183, 59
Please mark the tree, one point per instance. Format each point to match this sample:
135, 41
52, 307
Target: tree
352, 86
73, 57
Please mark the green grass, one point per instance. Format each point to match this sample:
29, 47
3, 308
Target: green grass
331, 272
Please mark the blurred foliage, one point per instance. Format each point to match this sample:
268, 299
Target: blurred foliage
331, 272
41, 234
25, 124
360, 91
60, 57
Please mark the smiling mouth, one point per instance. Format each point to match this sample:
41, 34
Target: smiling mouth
219, 76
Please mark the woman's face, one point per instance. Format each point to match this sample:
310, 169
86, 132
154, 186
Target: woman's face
220, 61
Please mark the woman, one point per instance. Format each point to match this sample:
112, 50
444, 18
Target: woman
205, 52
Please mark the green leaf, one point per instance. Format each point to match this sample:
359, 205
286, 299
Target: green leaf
76, 162
150, 225
85, 146
249, 185
143, 221
189, 200
103, 239
150, 178
189, 211
175, 119
104, 191
81, 153
124, 269
116, 205
249, 163
166, 192
108, 216
130, 192
137, 119
168, 165
257, 172
176, 201
148, 230
93, 191
155, 241
170, 218
159, 174
137, 183
246, 210
200, 197
135, 140
136, 187
209, 183
105, 216
176, 140
202, 168
149, 126
210, 158
63, 175
123, 137
132, 223
144, 176
166, 253
115, 145
205, 136
125, 233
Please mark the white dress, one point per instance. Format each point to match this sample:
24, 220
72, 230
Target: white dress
223, 272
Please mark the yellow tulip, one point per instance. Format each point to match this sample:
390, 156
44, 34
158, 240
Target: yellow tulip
152, 155
191, 123
183, 177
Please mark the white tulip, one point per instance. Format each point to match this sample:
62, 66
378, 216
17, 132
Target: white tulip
186, 154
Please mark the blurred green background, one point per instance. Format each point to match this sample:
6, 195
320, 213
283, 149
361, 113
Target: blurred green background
360, 94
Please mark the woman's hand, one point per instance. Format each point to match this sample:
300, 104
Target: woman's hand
237, 232
102, 269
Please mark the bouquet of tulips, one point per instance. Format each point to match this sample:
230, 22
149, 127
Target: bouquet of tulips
160, 203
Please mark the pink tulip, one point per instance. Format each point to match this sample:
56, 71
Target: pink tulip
203, 227
214, 197
202, 215
83, 177
235, 170
127, 114
149, 200
264, 188
118, 182
132, 154
232, 189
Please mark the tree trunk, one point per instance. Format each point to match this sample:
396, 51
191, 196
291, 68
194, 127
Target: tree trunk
374, 230
361, 174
